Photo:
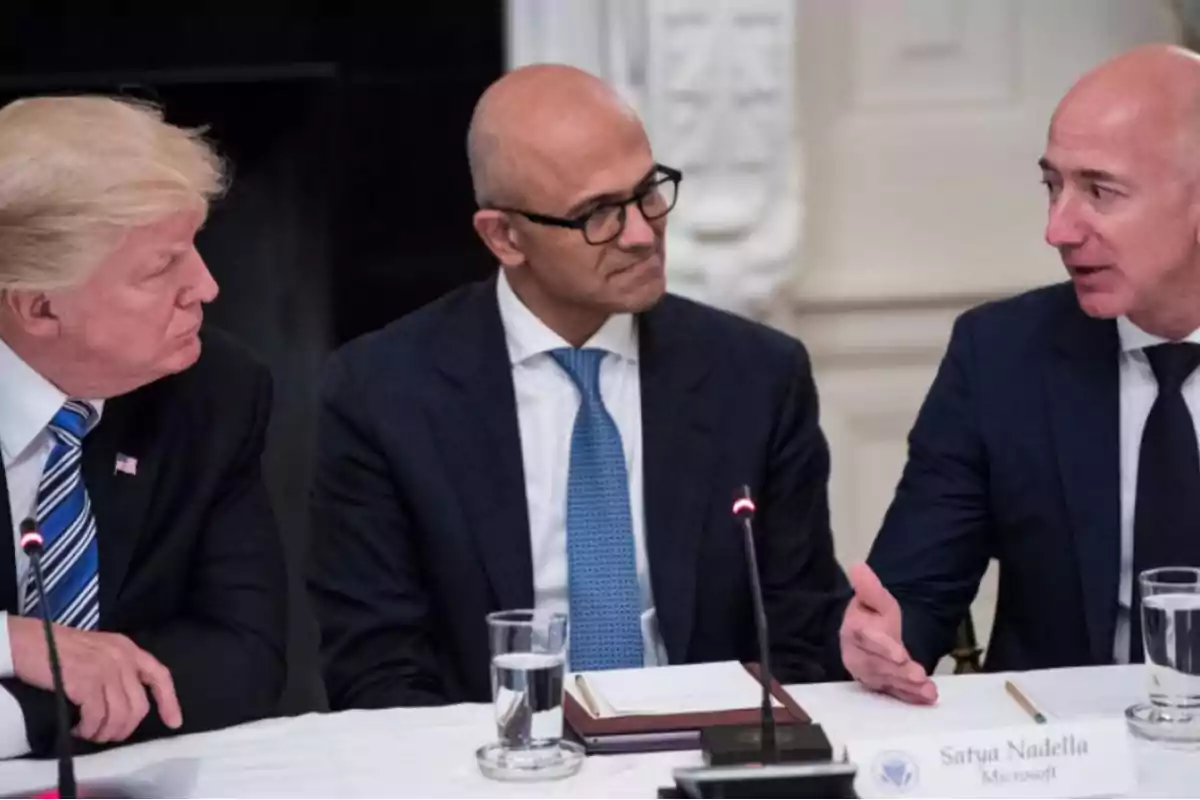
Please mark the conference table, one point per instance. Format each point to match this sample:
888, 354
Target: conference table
429, 752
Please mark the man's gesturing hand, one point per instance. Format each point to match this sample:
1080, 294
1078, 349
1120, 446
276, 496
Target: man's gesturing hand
871, 645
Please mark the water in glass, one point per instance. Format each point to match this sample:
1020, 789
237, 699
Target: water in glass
528, 697
1172, 629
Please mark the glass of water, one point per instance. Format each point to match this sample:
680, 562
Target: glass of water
529, 654
1171, 638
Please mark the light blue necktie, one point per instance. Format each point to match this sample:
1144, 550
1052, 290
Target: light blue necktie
605, 602
70, 559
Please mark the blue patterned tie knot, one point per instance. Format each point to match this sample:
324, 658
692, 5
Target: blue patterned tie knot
584, 368
73, 421
70, 556
605, 601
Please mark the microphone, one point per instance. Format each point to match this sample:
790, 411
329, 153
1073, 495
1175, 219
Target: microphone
794, 759
743, 510
31, 544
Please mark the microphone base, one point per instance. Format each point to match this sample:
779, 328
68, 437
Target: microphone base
174, 777
795, 743
82, 790
771, 780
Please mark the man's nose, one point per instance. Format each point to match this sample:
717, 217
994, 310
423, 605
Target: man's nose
638, 231
1064, 226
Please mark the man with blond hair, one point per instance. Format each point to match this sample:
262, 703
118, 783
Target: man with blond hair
131, 437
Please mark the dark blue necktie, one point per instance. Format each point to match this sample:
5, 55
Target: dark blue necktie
1166, 526
70, 560
605, 602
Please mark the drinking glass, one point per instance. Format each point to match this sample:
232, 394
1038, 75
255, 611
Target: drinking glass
1171, 639
529, 649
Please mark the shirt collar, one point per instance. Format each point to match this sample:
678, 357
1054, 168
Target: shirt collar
527, 336
1134, 338
28, 402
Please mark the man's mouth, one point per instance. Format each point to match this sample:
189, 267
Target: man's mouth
645, 262
1084, 270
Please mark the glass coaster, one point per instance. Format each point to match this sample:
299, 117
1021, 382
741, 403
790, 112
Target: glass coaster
560, 760
1173, 727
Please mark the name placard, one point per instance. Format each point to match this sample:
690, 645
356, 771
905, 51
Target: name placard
1064, 759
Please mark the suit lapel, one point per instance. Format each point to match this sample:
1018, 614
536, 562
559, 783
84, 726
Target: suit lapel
474, 414
1084, 393
677, 423
8, 563
119, 500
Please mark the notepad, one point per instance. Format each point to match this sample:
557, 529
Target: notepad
666, 708
689, 689
1079, 696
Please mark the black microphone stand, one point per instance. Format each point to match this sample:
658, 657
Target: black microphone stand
770, 753
764, 760
31, 543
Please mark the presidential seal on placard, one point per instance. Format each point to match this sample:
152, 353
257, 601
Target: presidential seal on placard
895, 772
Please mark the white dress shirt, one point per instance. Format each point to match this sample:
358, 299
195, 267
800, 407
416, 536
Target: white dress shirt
547, 402
28, 402
1138, 391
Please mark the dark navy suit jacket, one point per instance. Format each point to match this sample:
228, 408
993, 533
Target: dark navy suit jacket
419, 509
191, 562
1014, 456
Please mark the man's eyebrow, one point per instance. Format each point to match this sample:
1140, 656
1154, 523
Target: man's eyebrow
1087, 174
609, 196
1098, 175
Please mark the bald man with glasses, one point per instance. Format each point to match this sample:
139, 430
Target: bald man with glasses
566, 436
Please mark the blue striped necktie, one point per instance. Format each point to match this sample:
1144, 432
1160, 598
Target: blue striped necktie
605, 602
70, 560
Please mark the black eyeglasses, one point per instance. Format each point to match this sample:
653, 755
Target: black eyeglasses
606, 221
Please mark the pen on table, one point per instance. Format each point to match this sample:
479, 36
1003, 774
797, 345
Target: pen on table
1024, 702
588, 700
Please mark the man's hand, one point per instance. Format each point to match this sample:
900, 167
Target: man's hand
105, 674
871, 645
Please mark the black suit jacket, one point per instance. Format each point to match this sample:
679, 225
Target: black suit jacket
1014, 456
419, 508
191, 563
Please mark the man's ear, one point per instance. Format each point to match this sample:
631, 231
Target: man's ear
497, 232
31, 311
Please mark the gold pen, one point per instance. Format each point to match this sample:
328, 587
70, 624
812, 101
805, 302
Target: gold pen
1024, 702
589, 701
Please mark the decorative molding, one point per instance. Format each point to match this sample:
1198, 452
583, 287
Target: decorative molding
874, 333
934, 52
714, 82
1187, 12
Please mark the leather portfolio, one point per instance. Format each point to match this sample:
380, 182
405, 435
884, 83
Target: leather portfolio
651, 732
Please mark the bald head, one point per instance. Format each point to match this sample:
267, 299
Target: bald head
1122, 172
1151, 91
534, 123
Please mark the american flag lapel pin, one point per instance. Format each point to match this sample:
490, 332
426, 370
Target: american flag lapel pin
126, 465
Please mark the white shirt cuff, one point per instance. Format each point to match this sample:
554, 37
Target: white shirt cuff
14, 741
6, 659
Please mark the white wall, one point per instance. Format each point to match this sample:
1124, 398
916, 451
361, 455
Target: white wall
921, 125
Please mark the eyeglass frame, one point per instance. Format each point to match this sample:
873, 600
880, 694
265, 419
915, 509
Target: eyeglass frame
579, 222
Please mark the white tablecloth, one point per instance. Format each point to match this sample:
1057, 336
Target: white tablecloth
430, 752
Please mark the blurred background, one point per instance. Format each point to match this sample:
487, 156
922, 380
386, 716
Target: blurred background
858, 172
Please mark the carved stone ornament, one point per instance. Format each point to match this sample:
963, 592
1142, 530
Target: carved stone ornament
714, 81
